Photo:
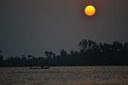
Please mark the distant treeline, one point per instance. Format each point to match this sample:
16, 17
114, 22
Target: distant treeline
90, 53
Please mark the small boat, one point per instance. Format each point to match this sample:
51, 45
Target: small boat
45, 67
42, 67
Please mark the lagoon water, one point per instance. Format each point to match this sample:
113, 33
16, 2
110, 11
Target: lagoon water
83, 75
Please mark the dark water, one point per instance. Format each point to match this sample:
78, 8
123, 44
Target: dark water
64, 76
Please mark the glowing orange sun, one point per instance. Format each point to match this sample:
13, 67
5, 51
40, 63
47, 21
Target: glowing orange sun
90, 10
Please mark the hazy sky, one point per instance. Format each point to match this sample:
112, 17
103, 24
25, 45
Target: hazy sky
35, 26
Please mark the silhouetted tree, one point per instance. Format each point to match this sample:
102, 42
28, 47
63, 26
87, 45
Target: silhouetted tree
117, 46
49, 59
90, 53
83, 44
91, 43
63, 52
1, 57
47, 53
30, 60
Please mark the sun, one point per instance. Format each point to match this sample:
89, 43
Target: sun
90, 10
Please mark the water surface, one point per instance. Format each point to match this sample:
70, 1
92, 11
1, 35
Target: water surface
84, 75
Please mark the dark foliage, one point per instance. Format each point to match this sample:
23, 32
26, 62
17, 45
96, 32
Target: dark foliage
90, 53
